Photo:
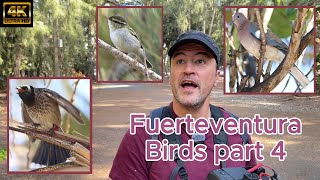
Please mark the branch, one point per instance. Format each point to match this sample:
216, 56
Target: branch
243, 83
76, 145
305, 41
285, 66
262, 47
268, 70
232, 64
125, 58
232, 69
56, 166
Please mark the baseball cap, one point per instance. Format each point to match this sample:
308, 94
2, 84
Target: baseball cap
196, 37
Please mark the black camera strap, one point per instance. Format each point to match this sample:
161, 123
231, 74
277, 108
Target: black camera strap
222, 137
172, 139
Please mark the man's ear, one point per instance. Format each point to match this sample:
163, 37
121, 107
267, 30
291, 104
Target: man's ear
217, 78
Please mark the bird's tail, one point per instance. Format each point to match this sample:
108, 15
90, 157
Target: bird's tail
50, 154
299, 76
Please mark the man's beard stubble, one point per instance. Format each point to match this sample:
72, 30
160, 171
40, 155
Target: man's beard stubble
195, 105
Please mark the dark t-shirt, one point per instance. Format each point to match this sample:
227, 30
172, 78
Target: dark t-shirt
130, 162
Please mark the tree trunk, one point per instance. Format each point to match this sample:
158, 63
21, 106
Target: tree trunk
212, 19
91, 46
56, 50
16, 68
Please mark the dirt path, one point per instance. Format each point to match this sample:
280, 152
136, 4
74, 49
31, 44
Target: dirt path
112, 105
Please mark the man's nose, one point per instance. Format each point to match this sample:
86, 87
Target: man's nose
189, 68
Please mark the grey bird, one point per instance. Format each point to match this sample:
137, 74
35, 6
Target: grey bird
126, 40
40, 107
276, 49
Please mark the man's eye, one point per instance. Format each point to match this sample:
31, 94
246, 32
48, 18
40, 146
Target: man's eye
180, 61
200, 61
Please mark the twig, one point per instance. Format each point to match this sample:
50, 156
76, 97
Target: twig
311, 69
286, 84
113, 2
232, 70
243, 83
146, 74
32, 131
262, 47
268, 70
80, 159
71, 101
56, 166
305, 41
81, 150
66, 141
125, 58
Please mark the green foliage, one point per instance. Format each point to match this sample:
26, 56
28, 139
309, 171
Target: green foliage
281, 20
3, 154
76, 128
30, 51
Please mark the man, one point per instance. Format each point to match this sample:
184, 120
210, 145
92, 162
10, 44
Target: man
194, 59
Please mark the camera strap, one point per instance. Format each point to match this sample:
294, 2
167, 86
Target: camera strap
222, 137
172, 139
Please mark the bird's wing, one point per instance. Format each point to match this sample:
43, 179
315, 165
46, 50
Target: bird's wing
70, 108
26, 118
135, 35
149, 65
271, 38
275, 41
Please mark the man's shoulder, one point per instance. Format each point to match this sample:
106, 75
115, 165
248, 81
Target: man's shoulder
224, 113
136, 138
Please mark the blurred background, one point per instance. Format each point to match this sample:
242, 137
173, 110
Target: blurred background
280, 22
62, 43
147, 23
20, 151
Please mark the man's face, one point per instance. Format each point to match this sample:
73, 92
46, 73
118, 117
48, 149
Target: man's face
193, 74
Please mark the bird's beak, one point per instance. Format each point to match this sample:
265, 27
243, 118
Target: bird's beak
233, 20
19, 90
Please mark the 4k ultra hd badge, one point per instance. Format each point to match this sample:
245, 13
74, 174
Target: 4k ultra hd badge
17, 14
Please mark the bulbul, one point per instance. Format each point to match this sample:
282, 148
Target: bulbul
125, 39
40, 106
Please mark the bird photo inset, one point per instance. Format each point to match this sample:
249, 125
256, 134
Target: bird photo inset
42, 107
248, 35
135, 35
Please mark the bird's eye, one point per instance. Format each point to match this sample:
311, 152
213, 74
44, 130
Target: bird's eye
238, 16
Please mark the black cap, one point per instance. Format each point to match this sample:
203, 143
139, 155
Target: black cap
196, 37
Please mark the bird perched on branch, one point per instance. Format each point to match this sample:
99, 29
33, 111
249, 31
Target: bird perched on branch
276, 50
126, 40
40, 106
